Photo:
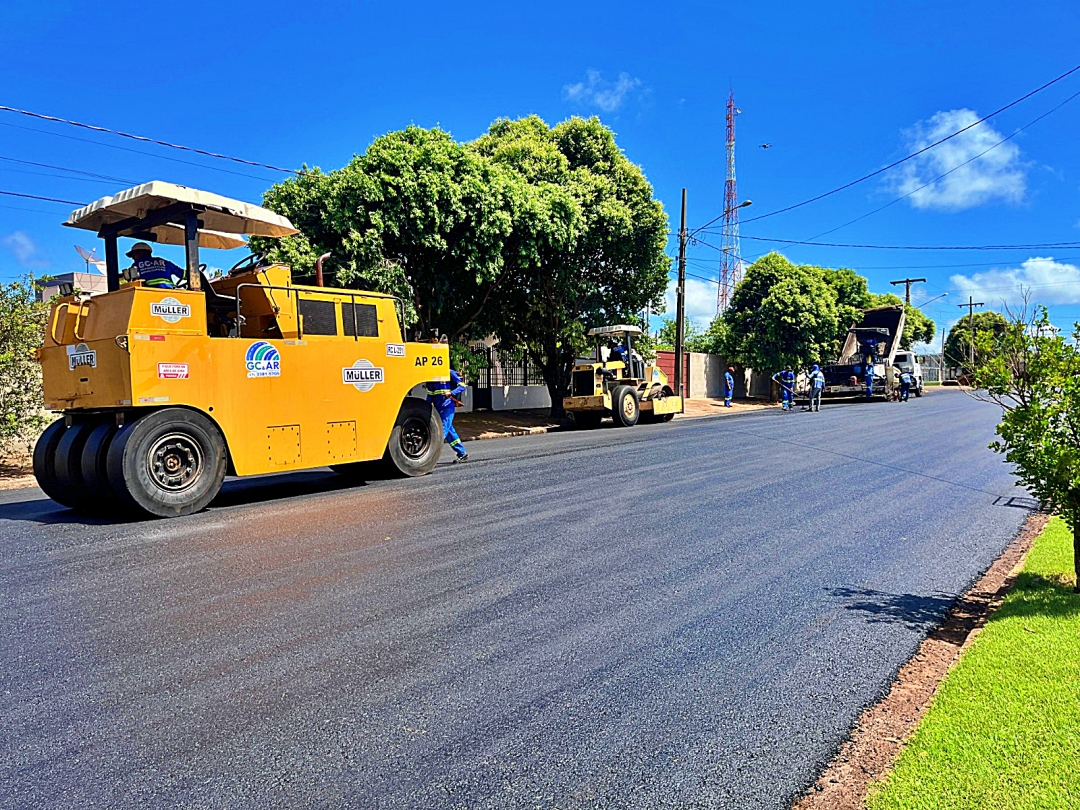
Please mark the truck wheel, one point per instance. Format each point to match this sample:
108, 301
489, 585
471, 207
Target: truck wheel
587, 420
416, 440
918, 392
168, 463
45, 463
68, 465
624, 406
95, 474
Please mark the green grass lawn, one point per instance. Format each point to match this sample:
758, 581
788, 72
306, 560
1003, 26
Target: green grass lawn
1004, 729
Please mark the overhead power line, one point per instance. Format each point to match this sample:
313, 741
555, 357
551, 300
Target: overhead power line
896, 163
94, 175
950, 171
137, 152
144, 139
44, 199
1039, 246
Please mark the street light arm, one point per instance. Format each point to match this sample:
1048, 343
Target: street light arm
930, 301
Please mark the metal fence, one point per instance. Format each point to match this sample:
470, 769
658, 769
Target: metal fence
487, 367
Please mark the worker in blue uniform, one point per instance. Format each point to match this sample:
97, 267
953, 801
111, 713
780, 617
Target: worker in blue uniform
154, 272
905, 385
869, 378
817, 387
729, 386
786, 378
445, 398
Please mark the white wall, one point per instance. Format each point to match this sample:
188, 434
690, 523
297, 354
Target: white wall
513, 397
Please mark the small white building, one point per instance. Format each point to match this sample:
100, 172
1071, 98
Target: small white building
92, 283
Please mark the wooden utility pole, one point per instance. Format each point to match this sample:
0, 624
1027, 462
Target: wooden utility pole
680, 303
971, 304
907, 282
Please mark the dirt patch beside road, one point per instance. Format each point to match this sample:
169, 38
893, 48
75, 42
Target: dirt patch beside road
16, 471
882, 729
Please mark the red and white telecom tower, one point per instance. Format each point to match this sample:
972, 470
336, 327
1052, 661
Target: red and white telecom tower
730, 263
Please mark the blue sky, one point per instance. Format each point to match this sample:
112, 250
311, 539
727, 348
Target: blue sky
838, 90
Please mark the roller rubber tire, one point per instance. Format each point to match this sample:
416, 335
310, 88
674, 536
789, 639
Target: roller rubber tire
587, 420
146, 456
416, 441
45, 462
918, 392
625, 407
94, 468
68, 465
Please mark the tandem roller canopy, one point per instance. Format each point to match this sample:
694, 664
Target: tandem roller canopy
618, 329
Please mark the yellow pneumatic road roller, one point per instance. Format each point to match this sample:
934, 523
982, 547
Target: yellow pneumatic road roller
164, 391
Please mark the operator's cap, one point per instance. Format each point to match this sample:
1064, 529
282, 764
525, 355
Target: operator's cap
731, 369
139, 247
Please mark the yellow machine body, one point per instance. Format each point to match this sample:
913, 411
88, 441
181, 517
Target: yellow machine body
591, 389
313, 376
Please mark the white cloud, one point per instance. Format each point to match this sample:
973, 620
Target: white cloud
27, 253
999, 174
597, 92
1050, 283
700, 301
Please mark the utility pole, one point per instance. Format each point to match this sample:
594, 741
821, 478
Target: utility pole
680, 302
907, 282
971, 304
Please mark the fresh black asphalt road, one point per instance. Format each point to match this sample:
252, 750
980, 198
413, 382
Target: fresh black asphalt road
680, 615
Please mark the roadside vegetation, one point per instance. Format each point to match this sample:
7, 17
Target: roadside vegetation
22, 324
1004, 729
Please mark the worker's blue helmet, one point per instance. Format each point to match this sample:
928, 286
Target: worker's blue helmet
815, 367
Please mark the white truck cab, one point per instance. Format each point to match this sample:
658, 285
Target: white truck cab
909, 362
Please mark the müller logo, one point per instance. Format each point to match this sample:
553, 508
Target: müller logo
362, 375
170, 310
81, 355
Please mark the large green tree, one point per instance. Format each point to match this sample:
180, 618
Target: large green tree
852, 297
779, 313
1033, 373
987, 326
418, 215
588, 245
22, 329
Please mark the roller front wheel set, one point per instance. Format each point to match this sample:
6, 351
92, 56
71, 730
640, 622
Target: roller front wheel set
165, 463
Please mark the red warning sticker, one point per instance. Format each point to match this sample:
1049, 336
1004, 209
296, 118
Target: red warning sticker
172, 371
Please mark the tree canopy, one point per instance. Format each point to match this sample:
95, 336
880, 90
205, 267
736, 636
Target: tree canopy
988, 326
531, 233
590, 240
780, 313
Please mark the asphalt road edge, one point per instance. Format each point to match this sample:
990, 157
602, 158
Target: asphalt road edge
884, 728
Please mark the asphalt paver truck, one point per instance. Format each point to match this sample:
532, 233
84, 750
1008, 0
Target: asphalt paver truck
874, 341
165, 391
